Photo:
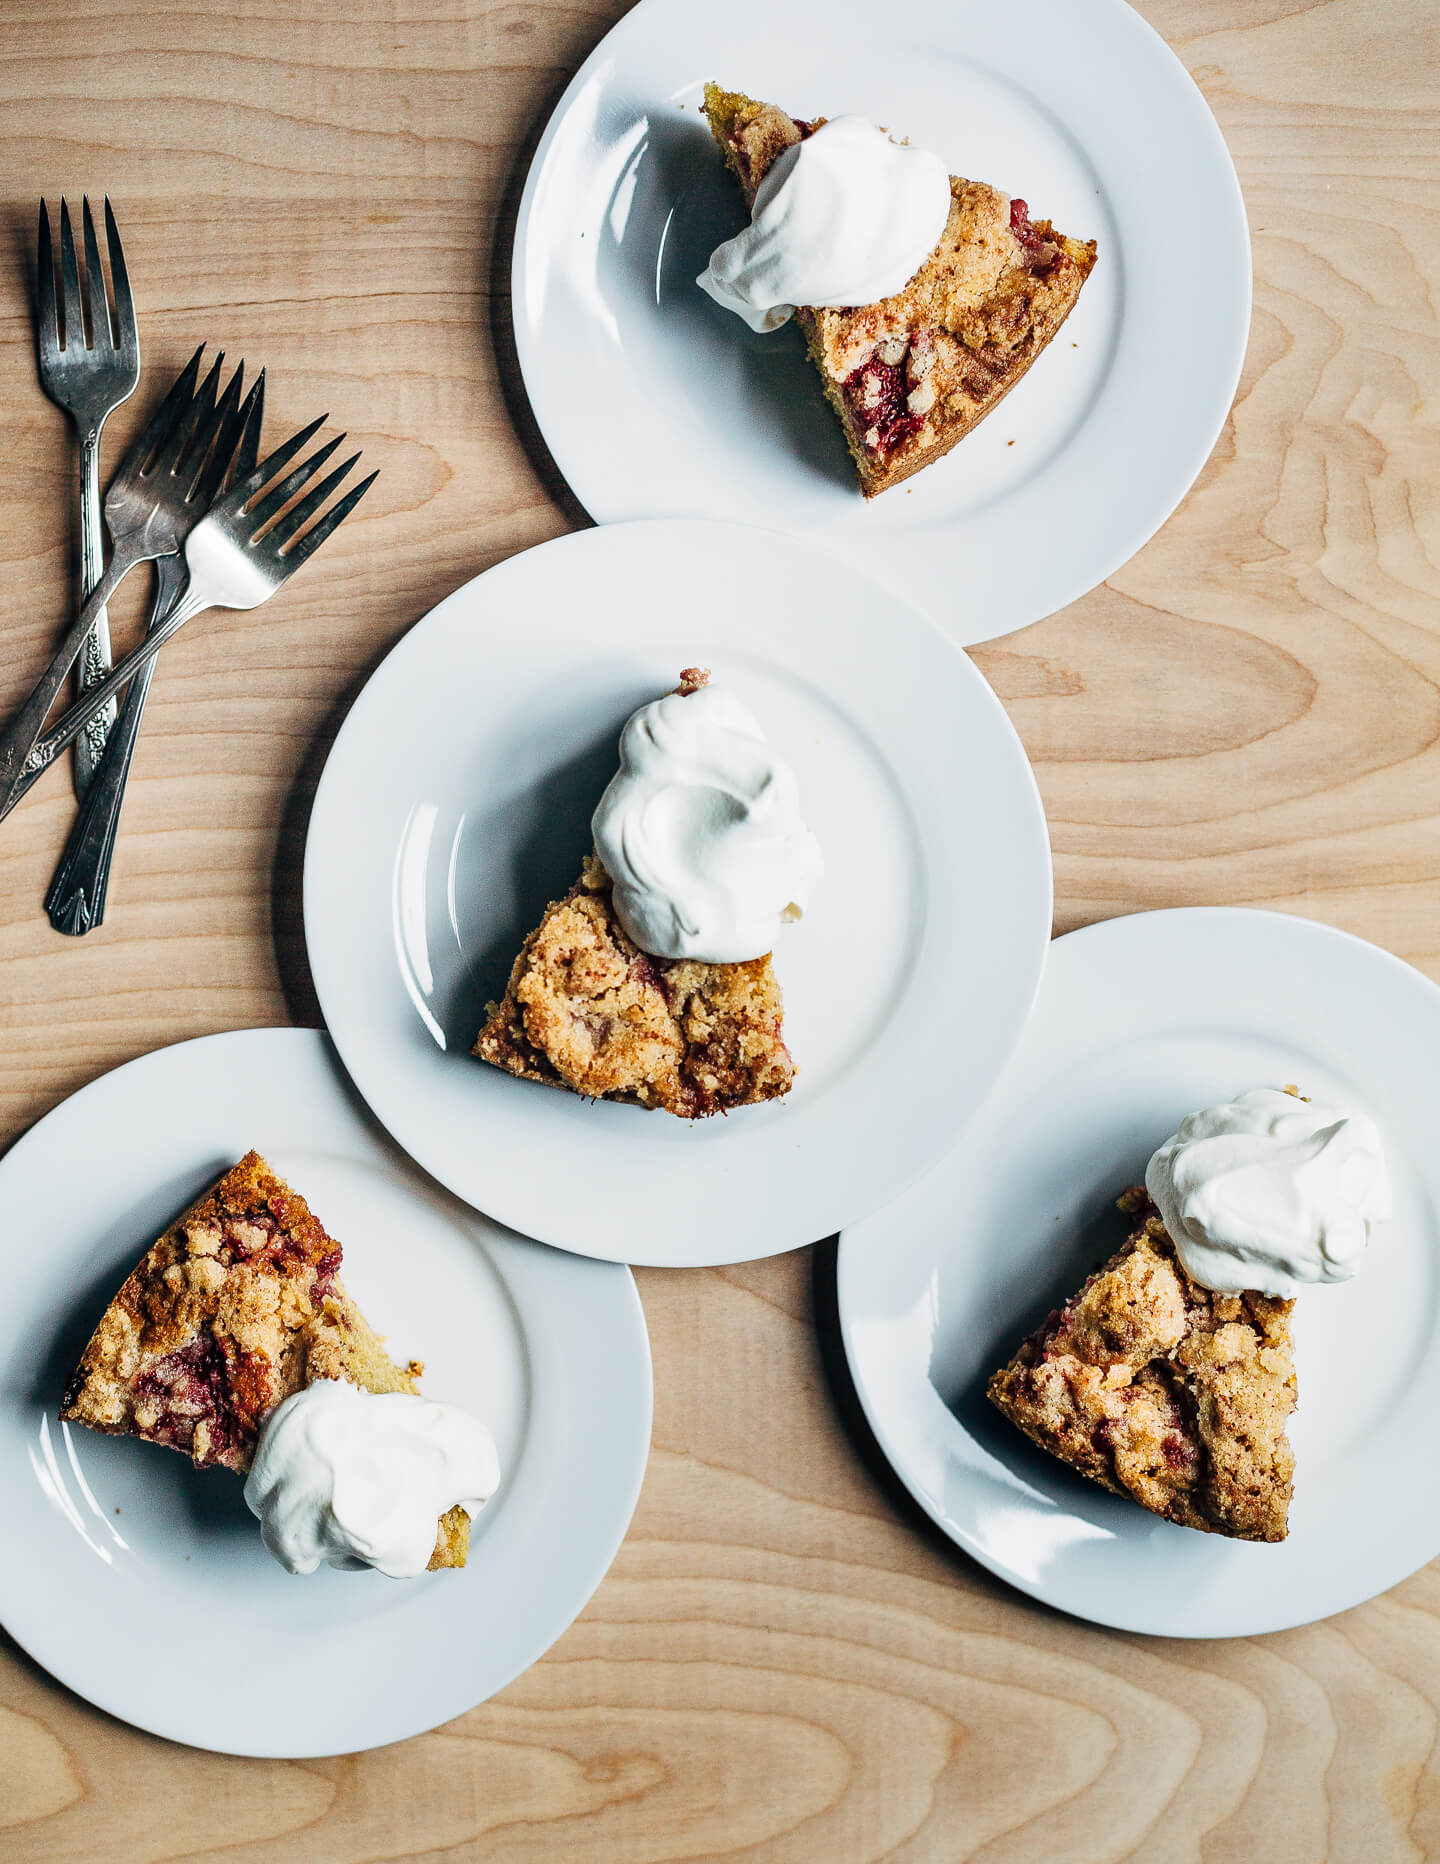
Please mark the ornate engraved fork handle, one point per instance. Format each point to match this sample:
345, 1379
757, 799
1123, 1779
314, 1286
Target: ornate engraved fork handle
76, 900
19, 765
72, 723
95, 655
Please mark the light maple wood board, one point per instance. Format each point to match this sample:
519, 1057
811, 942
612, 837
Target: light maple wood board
784, 1664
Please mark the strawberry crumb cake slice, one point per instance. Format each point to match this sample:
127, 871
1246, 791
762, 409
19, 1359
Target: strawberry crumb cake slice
587, 1010
236, 1307
651, 981
911, 375
1162, 1390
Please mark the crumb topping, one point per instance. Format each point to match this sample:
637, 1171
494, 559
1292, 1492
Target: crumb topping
586, 1009
1164, 1391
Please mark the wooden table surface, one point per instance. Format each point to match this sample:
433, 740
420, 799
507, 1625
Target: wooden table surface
785, 1663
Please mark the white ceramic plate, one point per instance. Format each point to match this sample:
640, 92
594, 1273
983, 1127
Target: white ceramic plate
655, 402
141, 1582
457, 801
1139, 1021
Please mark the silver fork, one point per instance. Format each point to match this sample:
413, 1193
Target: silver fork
149, 516
89, 383
76, 900
246, 547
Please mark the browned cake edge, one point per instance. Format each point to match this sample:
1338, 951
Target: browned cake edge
502, 1040
907, 464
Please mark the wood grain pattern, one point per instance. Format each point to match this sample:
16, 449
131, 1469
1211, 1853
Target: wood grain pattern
785, 1663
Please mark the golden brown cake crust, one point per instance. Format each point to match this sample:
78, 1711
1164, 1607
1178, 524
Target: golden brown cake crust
910, 376
235, 1307
587, 1010
1164, 1391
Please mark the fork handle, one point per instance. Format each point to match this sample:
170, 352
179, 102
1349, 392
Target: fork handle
76, 900
20, 740
95, 654
43, 747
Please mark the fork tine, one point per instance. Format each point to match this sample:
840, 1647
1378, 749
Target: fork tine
47, 327
137, 460
101, 336
260, 476
70, 284
276, 501
295, 519
247, 450
197, 415
227, 422
126, 336
316, 535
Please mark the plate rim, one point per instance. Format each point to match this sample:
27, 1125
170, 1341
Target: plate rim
850, 1246
610, 538
107, 1694
588, 488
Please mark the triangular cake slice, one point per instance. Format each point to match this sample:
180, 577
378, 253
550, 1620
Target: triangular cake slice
237, 1305
911, 376
587, 1010
1160, 1390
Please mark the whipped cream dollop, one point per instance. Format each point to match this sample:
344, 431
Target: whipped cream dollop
1269, 1192
356, 1478
845, 217
700, 831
